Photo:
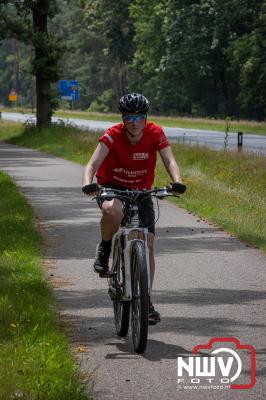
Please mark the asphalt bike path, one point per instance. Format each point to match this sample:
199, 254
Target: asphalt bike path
207, 285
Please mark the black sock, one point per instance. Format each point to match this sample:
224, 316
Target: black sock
106, 244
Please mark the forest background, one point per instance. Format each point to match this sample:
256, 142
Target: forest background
193, 58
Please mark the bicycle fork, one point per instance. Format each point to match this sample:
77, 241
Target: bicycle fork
130, 236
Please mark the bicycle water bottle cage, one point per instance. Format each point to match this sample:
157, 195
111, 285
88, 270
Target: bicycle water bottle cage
126, 211
131, 218
134, 217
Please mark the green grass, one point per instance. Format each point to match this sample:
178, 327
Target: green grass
63, 141
35, 358
9, 129
227, 188
245, 126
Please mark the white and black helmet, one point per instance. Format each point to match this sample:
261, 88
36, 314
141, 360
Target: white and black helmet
133, 102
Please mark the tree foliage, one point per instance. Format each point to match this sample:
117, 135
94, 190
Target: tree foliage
189, 57
27, 22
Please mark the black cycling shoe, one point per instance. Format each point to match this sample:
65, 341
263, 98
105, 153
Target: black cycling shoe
101, 261
154, 316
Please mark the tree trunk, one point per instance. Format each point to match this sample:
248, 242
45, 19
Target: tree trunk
16, 66
43, 86
122, 78
43, 103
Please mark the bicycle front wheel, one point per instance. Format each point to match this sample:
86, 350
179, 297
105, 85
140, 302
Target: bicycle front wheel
121, 308
140, 297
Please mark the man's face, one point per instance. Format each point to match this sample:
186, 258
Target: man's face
134, 123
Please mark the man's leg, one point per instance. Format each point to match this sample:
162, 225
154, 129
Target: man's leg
112, 215
154, 316
147, 217
152, 260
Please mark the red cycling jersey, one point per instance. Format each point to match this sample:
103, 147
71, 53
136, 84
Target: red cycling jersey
131, 165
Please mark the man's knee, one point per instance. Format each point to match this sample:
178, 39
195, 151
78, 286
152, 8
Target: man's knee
112, 209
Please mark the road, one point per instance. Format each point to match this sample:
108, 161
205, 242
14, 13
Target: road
213, 139
207, 285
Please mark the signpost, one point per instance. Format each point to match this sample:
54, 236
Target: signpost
13, 96
69, 90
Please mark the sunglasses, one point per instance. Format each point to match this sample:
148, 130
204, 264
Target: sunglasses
134, 118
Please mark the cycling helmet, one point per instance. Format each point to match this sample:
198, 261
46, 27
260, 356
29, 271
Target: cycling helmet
133, 102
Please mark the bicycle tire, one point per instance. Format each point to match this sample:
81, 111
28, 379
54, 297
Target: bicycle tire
140, 297
121, 308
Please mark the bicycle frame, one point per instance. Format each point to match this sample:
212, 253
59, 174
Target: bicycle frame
127, 233
129, 278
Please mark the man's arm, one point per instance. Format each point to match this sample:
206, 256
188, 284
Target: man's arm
170, 164
97, 158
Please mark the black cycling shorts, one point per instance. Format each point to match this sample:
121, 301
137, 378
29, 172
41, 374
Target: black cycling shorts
146, 209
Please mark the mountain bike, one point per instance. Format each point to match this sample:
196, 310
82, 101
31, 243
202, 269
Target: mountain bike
129, 277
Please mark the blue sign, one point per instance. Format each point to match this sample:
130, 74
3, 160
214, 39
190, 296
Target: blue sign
69, 90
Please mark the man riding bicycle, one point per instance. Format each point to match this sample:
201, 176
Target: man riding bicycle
125, 158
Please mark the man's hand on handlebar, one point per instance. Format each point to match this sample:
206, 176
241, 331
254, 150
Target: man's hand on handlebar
92, 189
176, 188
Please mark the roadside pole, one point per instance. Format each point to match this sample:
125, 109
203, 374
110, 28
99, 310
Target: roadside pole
240, 141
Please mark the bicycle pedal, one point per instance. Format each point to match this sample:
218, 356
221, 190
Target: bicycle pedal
112, 293
104, 274
107, 274
154, 321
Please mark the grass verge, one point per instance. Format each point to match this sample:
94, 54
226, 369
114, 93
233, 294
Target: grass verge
253, 127
10, 129
227, 188
35, 358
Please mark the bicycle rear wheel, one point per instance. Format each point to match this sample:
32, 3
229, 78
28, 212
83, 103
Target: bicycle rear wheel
140, 297
121, 308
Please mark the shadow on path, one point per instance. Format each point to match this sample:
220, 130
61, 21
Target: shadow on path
98, 298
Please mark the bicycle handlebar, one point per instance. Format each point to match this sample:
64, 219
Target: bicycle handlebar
160, 193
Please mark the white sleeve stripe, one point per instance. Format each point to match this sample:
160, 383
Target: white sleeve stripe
109, 138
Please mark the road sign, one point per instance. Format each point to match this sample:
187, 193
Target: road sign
69, 90
13, 95
66, 97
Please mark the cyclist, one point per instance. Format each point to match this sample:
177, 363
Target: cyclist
125, 158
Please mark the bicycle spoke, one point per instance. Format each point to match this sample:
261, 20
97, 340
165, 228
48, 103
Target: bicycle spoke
139, 315
121, 308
